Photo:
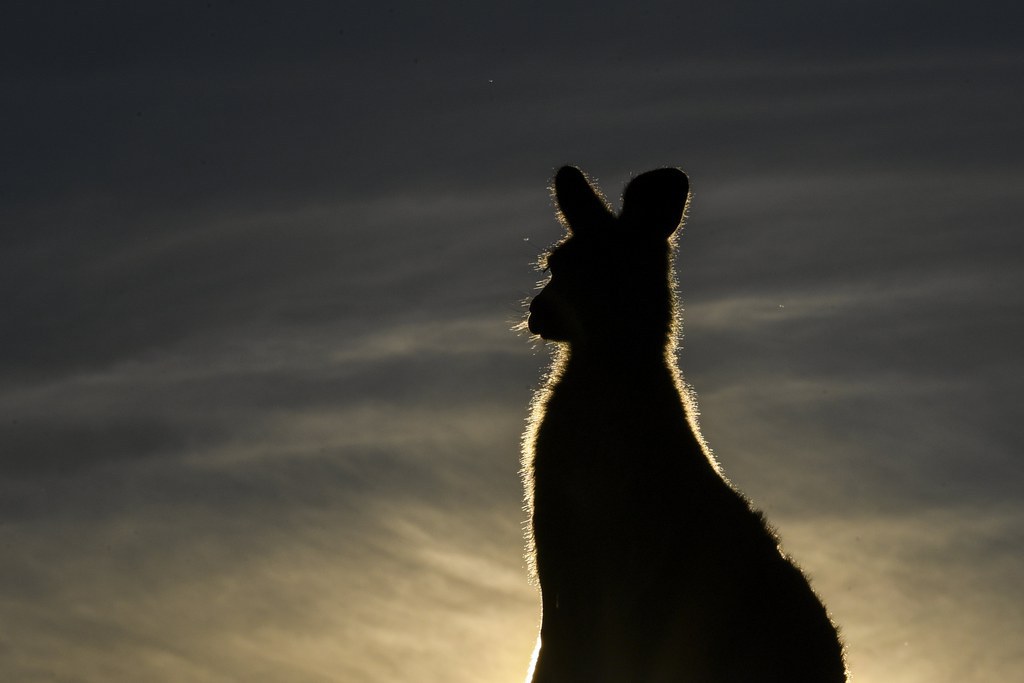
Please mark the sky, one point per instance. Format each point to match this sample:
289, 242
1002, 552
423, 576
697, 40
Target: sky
260, 400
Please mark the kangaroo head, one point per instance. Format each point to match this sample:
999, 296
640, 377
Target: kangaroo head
610, 275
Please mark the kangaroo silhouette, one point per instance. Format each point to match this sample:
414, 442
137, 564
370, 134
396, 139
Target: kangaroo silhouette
651, 566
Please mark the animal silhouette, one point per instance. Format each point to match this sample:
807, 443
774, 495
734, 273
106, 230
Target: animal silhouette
652, 567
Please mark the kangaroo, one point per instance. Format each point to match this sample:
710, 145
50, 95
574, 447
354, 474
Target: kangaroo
651, 566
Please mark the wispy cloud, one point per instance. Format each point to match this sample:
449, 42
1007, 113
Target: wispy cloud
261, 402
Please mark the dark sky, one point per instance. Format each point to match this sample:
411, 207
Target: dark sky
259, 263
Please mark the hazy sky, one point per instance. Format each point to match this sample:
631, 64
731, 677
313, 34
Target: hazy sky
259, 264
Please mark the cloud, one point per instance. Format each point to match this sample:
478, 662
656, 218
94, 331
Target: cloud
261, 406
317, 533
903, 586
413, 592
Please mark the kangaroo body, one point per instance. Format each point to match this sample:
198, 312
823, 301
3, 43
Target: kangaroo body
652, 567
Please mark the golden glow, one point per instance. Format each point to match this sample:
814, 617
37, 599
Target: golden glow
371, 585
533, 662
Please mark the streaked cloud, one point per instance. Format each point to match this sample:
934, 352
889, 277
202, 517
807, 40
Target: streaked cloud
261, 401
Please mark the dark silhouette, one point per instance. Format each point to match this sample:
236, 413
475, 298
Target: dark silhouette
652, 567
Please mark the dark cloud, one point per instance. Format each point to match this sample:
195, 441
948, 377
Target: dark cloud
38, 448
63, 37
258, 267
194, 105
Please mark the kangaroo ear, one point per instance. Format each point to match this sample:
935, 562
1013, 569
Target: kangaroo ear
656, 200
581, 207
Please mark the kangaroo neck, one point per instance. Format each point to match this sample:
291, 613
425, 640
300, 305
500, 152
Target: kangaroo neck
614, 393
619, 368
